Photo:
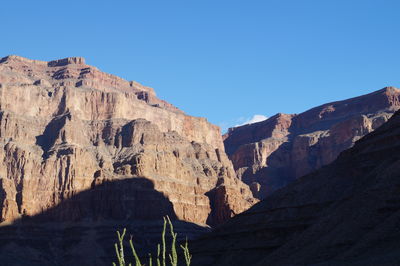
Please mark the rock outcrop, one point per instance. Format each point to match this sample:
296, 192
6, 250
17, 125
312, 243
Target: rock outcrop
67, 128
346, 213
270, 154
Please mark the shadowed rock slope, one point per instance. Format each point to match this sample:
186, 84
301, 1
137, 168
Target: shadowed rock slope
270, 154
346, 213
55, 237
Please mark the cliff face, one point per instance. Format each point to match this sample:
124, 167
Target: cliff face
270, 154
66, 127
346, 213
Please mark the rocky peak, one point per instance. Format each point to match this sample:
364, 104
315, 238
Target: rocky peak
19, 59
73, 72
276, 126
67, 61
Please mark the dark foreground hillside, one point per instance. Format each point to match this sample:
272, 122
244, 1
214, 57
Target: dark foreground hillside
347, 213
54, 237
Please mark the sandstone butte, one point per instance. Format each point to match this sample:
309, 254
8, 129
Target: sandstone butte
345, 213
83, 153
270, 154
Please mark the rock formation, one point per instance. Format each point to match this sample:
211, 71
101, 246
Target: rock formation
66, 128
270, 154
346, 213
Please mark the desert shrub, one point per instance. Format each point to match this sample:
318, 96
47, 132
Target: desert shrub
161, 258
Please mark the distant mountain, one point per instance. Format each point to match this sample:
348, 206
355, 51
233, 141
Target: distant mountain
270, 154
78, 145
346, 213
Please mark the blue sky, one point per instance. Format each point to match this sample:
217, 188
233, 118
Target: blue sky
223, 60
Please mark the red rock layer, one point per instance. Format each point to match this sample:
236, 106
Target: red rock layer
66, 127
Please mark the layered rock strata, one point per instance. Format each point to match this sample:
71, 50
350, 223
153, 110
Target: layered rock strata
346, 213
270, 154
67, 128
83, 153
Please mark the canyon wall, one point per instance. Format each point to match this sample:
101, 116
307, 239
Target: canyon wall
80, 145
84, 153
270, 154
66, 127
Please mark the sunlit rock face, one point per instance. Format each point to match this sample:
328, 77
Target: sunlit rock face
270, 154
84, 153
66, 127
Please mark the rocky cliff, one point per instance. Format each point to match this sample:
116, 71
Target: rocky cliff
270, 154
66, 128
346, 213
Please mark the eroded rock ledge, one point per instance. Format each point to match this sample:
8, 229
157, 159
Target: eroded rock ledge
66, 127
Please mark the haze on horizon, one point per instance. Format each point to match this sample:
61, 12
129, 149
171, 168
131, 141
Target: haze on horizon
223, 60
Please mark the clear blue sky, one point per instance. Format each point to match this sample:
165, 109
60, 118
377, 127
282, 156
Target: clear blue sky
224, 60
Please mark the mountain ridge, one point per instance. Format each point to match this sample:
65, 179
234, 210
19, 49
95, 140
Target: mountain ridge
272, 153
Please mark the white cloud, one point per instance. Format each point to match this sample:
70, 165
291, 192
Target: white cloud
240, 122
254, 119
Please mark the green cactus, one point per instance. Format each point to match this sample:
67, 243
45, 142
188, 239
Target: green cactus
161, 251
